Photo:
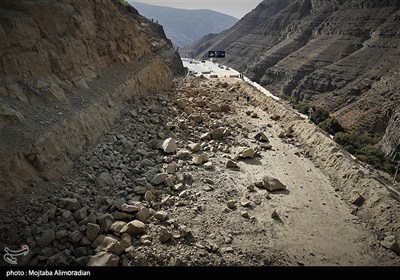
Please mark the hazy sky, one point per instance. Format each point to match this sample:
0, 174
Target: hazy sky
236, 8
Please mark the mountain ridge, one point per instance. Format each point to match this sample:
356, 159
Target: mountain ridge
185, 26
339, 55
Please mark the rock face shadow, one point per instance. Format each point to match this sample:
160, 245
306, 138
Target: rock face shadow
285, 192
252, 161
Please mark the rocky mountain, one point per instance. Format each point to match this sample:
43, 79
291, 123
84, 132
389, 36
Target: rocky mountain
183, 26
341, 55
67, 68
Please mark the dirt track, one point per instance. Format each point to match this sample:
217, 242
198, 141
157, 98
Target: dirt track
313, 225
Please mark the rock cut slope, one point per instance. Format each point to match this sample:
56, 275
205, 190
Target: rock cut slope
341, 55
67, 68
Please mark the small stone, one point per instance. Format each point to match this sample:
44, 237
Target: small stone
67, 216
92, 231
244, 214
165, 237
146, 240
143, 214
260, 136
80, 252
200, 159
217, 133
103, 259
80, 214
112, 245
169, 146
127, 145
266, 146
356, 198
231, 204
134, 228
149, 196
129, 208
196, 117
275, 117
105, 221
274, 215
251, 188
232, 165
182, 154
194, 147
245, 202
272, 184
122, 216
71, 204
171, 168
104, 180
205, 136
159, 178
391, 243
47, 237
209, 166
161, 215
179, 187
62, 234
228, 239
147, 162
225, 108
139, 190
75, 236
169, 182
246, 153
117, 226
227, 250
184, 231
183, 194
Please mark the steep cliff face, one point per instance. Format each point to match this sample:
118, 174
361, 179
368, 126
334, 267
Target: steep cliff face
341, 55
66, 69
54, 45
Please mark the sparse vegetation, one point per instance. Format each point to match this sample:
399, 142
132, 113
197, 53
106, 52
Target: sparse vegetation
361, 145
331, 125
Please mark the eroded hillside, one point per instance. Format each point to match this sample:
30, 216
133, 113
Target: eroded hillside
67, 67
341, 55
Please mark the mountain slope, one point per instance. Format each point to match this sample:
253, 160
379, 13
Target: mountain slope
341, 55
183, 26
67, 68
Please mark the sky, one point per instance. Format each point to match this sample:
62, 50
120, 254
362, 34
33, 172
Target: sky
236, 8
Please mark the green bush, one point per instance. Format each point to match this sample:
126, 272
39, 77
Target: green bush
302, 107
362, 145
331, 125
319, 115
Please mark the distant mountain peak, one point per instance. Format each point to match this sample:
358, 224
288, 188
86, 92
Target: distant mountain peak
185, 26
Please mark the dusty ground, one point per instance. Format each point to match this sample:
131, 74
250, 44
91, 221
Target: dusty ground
313, 225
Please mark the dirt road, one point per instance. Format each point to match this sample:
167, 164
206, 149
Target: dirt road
195, 209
